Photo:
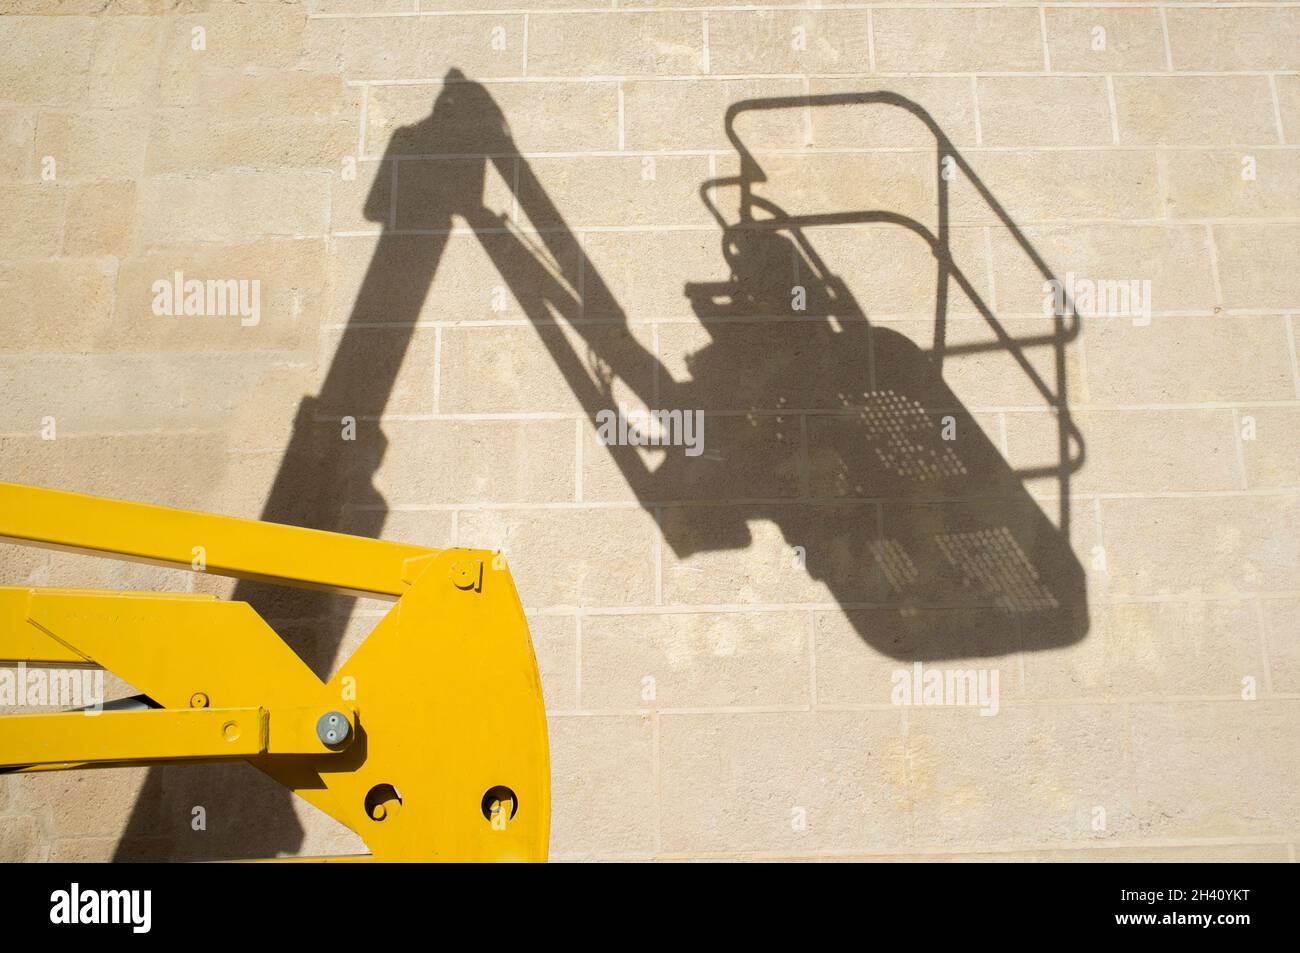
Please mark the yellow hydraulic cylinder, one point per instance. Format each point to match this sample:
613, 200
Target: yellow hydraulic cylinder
222, 545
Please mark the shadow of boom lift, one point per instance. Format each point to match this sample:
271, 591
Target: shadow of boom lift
933, 547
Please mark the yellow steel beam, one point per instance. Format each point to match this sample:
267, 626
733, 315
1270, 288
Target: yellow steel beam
22, 641
132, 736
81, 738
173, 647
225, 545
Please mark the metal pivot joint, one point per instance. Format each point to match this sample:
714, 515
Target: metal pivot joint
333, 729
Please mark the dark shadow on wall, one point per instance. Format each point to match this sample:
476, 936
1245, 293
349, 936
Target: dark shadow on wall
932, 546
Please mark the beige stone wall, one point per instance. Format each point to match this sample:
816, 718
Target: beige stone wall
719, 635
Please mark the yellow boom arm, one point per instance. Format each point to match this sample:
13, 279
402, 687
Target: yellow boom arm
429, 742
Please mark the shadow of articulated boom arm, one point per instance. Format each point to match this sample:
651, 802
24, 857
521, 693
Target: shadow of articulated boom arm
953, 537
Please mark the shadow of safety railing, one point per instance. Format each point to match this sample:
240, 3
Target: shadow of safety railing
757, 212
